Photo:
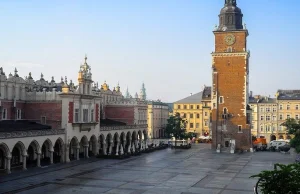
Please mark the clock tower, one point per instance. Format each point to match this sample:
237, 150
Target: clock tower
230, 119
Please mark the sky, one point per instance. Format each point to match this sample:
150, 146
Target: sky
165, 44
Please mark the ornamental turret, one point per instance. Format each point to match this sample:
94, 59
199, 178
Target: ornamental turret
143, 95
85, 78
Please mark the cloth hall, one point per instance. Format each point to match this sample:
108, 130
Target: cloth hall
44, 122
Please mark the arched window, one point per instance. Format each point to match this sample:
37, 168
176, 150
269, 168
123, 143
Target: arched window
229, 49
225, 111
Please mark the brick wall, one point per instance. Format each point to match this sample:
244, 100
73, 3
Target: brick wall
122, 114
71, 112
51, 110
229, 82
11, 110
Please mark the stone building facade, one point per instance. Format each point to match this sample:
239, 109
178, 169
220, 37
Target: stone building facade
158, 115
230, 77
269, 114
45, 122
196, 110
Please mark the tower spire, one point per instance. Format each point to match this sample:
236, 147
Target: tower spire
231, 17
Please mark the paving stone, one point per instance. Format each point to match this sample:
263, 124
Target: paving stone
197, 170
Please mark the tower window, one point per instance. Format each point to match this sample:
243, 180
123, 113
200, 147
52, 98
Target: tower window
225, 111
240, 128
229, 49
221, 100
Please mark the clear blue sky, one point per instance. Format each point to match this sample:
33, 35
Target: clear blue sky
166, 44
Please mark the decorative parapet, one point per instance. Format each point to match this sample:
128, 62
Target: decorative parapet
127, 102
31, 133
123, 127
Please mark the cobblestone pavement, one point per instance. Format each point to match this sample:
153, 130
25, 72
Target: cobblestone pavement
197, 170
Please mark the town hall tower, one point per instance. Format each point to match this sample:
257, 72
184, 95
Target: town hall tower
230, 119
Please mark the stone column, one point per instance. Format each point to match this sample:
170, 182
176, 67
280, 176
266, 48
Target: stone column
117, 148
38, 160
97, 148
129, 146
24, 162
51, 157
8, 162
133, 148
64, 153
121, 149
104, 148
110, 147
86, 151
146, 143
136, 144
77, 152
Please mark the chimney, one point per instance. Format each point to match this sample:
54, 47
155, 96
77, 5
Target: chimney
251, 94
191, 94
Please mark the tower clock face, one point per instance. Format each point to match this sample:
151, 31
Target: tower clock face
230, 39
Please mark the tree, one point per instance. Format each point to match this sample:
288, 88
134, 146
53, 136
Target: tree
176, 127
293, 127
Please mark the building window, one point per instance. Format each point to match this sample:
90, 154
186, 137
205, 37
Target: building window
280, 107
214, 105
261, 109
191, 125
274, 128
178, 106
85, 113
274, 109
268, 117
268, 109
205, 123
221, 100
280, 117
205, 114
297, 107
261, 118
198, 116
261, 128
4, 114
297, 117
76, 115
288, 116
197, 125
19, 114
191, 115
184, 107
92, 115
198, 107
274, 118
184, 115
192, 107
240, 128
287, 107
43, 120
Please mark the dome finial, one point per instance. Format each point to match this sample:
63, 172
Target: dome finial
230, 2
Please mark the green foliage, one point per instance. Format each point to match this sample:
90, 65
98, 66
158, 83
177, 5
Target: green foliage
293, 127
283, 179
176, 127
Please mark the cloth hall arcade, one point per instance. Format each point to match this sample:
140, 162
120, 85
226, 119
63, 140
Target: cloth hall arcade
45, 122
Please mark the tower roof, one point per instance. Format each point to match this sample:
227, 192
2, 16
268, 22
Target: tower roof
231, 17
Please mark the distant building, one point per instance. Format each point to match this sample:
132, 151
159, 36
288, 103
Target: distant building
44, 122
196, 110
268, 114
158, 114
